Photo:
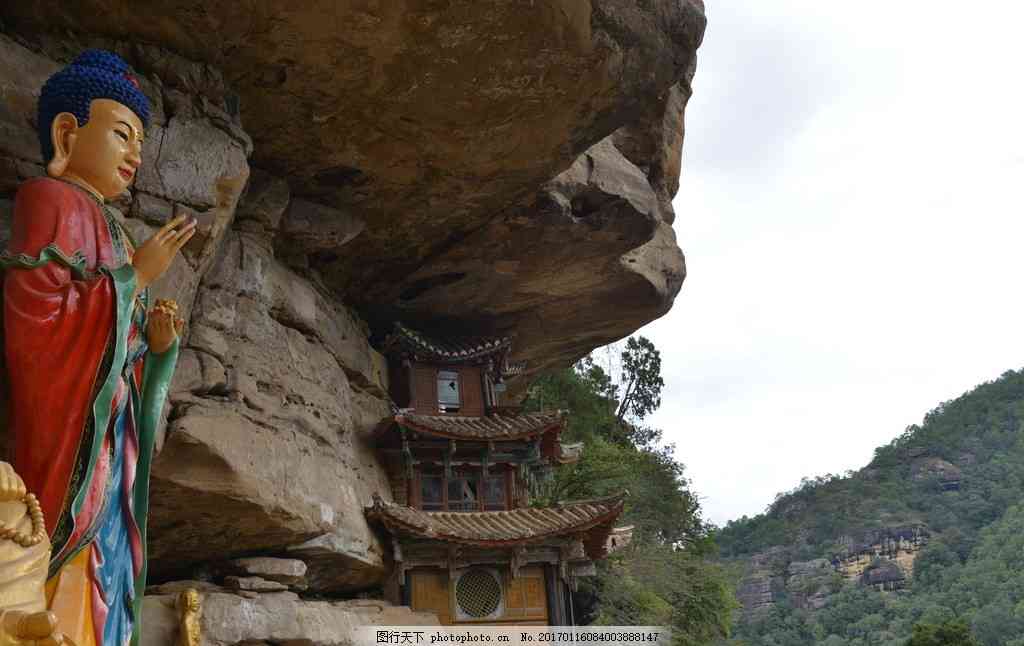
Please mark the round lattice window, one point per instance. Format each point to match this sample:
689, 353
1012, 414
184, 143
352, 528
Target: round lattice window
478, 593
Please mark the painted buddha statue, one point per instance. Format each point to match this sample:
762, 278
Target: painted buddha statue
89, 357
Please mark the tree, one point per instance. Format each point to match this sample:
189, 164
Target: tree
597, 381
951, 633
641, 367
656, 584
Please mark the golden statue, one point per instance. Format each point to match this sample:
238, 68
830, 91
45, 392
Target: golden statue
24, 561
188, 617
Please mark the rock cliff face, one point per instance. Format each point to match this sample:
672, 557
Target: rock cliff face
265, 447
437, 128
484, 167
885, 559
882, 559
762, 581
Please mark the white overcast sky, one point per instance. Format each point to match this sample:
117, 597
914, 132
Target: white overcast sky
850, 211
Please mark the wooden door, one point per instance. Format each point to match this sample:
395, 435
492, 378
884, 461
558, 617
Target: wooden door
430, 594
424, 389
526, 599
472, 391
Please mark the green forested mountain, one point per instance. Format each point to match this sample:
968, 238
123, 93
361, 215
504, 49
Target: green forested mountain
955, 482
922, 547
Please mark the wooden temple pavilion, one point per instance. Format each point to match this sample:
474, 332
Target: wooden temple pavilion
467, 545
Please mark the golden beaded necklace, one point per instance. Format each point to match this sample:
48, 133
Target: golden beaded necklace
38, 527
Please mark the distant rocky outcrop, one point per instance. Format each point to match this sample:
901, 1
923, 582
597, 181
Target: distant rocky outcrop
809, 583
763, 581
947, 475
884, 575
872, 559
882, 559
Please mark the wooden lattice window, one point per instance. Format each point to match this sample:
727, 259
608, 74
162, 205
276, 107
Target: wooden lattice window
495, 496
464, 493
466, 490
432, 492
478, 594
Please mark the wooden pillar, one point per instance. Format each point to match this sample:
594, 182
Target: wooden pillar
556, 597
570, 614
407, 589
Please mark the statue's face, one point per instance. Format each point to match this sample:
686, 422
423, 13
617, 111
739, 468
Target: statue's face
107, 150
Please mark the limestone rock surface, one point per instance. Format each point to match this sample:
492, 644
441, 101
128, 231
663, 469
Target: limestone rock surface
253, 584
277, 618
555, 255
288, 571
265, 448
282, 618
160, 620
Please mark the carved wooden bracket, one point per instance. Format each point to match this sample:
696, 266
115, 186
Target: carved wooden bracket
518, 560
453, 557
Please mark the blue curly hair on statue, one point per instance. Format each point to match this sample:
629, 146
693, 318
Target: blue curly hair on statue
94, 74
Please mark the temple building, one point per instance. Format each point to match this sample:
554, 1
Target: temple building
467, 544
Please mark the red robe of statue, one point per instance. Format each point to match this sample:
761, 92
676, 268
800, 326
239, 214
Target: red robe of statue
57, 330
85, 395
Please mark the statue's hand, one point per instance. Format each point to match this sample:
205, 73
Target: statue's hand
12, 487
163, 326
153, 258
18, 628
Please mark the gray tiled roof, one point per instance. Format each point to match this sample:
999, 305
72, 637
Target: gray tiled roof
594, 518
492, 427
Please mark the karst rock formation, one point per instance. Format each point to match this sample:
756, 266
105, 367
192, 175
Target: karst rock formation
487, 167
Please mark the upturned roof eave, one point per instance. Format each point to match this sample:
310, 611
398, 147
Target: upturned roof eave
390, 515
527, 432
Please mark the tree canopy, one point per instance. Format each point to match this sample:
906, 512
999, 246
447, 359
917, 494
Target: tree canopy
642, 382
951, 633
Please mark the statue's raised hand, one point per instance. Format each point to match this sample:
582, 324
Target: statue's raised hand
153, 258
